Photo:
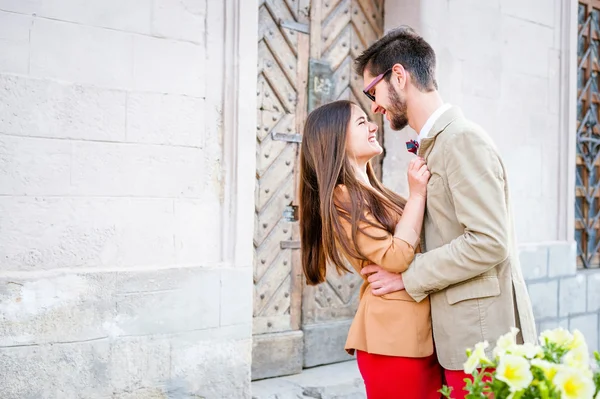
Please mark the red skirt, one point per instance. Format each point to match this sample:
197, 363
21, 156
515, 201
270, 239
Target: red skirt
394, 377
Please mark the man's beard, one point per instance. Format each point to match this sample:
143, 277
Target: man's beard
398, 111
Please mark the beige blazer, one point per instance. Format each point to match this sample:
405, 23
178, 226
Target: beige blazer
470, 267
393, 324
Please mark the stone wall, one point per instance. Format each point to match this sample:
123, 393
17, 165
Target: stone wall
116, 197
561, 295
499, 61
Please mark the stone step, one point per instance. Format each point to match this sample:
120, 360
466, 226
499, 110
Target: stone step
334, 381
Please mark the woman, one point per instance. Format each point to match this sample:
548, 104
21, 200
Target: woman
347, 214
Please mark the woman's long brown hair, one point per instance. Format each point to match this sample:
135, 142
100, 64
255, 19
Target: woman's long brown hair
323, 166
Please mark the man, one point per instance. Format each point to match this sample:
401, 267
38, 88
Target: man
470, 268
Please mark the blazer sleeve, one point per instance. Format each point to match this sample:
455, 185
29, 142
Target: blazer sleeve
393, 252
477, 189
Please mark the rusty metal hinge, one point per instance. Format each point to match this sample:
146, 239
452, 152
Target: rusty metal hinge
290, 138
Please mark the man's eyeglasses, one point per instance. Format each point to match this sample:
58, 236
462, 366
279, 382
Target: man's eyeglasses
367, 90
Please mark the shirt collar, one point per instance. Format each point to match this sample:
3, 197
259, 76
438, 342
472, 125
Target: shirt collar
426, 129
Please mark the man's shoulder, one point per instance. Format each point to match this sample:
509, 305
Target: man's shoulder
462, 130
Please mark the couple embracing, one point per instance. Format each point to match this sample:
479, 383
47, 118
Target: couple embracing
440, 268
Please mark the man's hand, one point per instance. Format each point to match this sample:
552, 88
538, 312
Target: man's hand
382, 282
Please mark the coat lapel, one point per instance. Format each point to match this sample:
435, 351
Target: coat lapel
442, 123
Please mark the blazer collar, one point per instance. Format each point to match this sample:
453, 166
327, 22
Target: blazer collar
439, 126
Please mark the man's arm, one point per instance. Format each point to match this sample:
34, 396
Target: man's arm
477, 187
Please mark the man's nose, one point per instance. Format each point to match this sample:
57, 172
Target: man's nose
374, 107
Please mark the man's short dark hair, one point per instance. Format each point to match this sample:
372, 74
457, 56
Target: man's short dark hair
405, 47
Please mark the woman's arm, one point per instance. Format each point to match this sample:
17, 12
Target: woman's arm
391, 252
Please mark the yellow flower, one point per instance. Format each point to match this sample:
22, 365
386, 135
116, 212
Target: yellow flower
505, 342
515, 372
476, 357
572, 384
547, 367
558, 336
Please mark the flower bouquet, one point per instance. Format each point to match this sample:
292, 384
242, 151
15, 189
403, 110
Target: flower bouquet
558, 368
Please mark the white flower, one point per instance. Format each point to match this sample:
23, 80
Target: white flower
515, 372
547, 367
505, 342
572, 384
527, 350
578, 341
558, 336
578, 357
476, 357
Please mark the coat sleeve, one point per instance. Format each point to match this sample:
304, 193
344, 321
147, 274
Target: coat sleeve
477, 188
393, 252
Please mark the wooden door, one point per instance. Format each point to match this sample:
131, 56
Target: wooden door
340, 31
301, 43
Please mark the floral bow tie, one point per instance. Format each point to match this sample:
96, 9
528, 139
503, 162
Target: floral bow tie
412, 146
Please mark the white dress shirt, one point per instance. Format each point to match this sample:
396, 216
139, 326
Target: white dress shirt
426, 129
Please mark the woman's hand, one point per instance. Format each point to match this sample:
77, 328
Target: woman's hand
418, 176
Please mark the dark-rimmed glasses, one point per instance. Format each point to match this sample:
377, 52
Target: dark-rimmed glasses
377, 79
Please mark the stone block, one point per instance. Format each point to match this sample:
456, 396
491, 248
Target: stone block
561, 259
521, 184
70, 370
131, 15
180, 69
175, 300
593, 291
522, 93
588, 325
277, 354
333, 381
31, 166
554, 80
450, 74
14, 42
534, 261
484, 112
105, 56
552, 324
114, 169
198, 236
534, 12
49, 233
237, 289
183, 20
324, 343
56, 308
527, 56
462, 20
139, 365
44, 108
210, 369
484, 76
572, 295
544, 299
165, 119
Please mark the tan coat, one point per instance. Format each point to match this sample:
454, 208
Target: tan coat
470, 267
394, 324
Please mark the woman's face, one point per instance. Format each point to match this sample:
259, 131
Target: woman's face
361, 137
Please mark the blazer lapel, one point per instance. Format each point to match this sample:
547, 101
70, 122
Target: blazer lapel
442, 123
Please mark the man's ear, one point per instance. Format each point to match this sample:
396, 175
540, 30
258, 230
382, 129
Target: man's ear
399, 76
